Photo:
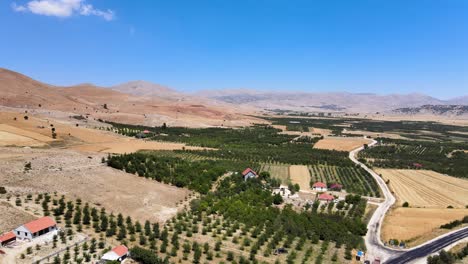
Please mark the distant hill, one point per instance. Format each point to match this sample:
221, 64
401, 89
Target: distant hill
333, 102
134, 102
446, 110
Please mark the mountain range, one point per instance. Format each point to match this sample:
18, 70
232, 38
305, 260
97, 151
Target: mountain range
142, 102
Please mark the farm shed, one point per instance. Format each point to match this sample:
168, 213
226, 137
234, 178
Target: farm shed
118, 253
7, 238
319, 186
336, 187
326, 197
36, 228
249, 174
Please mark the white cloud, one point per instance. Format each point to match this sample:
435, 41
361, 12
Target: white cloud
63, 8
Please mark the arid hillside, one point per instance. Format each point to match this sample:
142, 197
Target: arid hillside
165, 106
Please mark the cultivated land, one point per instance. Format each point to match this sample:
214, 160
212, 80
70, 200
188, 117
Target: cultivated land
280, 172
428, 194
341, 143
78, 175
423, 188
300, 174
418, 225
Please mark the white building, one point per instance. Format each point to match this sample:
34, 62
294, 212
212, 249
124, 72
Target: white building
249, 174
282, 190
319, 187
35, 228
118, 253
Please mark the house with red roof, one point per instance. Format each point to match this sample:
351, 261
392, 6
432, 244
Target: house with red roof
326, 197
118, 253
319, 186
249, 174
7, 238
35, 228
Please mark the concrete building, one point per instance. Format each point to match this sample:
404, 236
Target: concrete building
118, 253
35, 228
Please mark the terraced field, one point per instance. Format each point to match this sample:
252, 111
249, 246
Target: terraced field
355, 180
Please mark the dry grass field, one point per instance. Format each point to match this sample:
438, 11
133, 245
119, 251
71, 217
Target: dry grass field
418, 224
11, 217
373, 134
79, 175
300, 174
36, 132
428, 194
423, 188
341, 143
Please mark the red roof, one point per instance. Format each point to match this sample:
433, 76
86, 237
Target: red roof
246, 171
120, 250
319, 185
40, 224
7, 236
326, 197
336, 186
146, 131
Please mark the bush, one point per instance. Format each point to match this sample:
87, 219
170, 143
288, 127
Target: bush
405, 204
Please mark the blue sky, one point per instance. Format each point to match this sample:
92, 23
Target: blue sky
375, 46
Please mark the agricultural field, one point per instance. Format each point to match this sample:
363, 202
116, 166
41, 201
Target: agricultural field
418, 225
88, 231
426, 189
409, 154
278, 171
11, 216
354, 180
428, 195
300, 174
341, 143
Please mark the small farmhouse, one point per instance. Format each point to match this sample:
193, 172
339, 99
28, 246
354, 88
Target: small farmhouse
118, 253
249, 174
35, 228
319, 186
326, 197
7, 238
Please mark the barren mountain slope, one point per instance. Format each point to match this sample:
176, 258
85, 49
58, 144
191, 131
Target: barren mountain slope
19, 91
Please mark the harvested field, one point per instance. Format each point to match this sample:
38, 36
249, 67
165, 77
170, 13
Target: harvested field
13, 136
374, 134
320, 131
418, 224
12, 217
423, 188
300, 174
341, 143
77, 175
280, 172
128, 145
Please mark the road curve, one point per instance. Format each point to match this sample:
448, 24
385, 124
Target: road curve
374, 244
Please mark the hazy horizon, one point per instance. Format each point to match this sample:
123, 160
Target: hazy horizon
396, 47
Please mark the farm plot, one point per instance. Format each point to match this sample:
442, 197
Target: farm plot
341, 143
300, 174
424, 188
280, 172
355, 180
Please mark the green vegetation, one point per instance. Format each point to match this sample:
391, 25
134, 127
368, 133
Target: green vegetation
455, 223
404, 154
195, 175
354, 179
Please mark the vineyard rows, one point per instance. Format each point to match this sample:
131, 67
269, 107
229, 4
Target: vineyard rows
355, 180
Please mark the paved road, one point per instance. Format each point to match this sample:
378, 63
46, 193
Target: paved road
374, 245
376, 248
429, 248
